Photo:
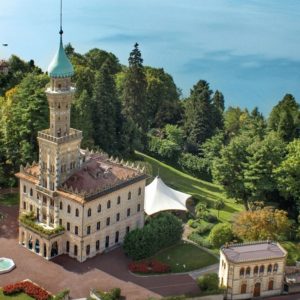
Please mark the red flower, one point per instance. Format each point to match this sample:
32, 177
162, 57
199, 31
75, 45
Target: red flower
150, 266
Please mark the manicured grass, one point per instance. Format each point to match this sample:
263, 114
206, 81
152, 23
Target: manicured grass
9, 199
200, 190
20, 296
185, 254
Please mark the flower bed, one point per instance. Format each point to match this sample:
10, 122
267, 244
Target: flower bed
28, 288
149, 266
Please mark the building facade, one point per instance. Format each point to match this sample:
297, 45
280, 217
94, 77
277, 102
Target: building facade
252, 270
74, 201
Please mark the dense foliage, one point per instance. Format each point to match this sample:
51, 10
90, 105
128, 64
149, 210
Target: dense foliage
208, 282
162, 231
220, 235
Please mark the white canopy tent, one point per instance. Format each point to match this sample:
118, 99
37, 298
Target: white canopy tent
160, 197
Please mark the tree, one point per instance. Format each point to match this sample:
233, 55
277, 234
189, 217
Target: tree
220, 235
228, 169
288, 172
234, 118
218, 109
284, 118
106, 108
134, 90
262, 224
264, 157
198, 124
219, 204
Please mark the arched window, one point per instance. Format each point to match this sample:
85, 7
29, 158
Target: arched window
262, 269
140, 191
24, 188
69, 209
31, 192
275, 269
108, 204
242, 272
89, 212
269, 268
270, 285
248, 271
77, 212
243, 288
255, 270
60, 205
129, 195
99, 208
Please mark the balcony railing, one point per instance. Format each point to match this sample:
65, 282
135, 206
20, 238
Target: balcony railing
73, 135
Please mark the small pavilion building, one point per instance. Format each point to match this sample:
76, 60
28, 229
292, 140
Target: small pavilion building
160, 197
252, 270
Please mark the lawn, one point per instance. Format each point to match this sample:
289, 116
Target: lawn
199, 189
185, 254
20, 296
9, 199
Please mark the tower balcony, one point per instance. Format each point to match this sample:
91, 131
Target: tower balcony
74, 134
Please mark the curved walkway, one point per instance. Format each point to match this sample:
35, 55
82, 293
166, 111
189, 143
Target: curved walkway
103, 271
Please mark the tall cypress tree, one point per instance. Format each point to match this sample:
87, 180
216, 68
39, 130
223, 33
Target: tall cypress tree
134, 90
105, 114
199, 125
218, 109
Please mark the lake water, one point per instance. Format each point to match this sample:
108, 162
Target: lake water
250, 50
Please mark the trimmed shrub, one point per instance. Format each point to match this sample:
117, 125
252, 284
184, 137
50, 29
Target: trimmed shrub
113, 294
193, 223
195, 237
220, 235
208, 282
210, 218
204, 228
162, 231
61, 295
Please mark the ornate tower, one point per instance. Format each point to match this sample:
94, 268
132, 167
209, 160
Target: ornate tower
59, 146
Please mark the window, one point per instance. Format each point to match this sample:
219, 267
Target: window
60, 222
271, 285
68, 226
119, 200
76, 230
77, 212
89, 213
108, 221
97, 245
242, 272
24, 205
127, 229
31, 207
107, 241
140, 191
60, 205
255, 270
69, 209
98, 225
67, 246
129, 195
262, 269
248, 271
243, 288
31, 192
117, 237
118, 217
75, 250
128, 212
51, 202
275, 269
24, 188
108, 204
99, 208
44, 200
269, 268
139, 207
88, 248
88, 230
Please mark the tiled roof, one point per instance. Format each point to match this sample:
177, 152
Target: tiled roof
253, 251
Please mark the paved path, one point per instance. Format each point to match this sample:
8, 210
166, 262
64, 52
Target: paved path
209, 269
103, 271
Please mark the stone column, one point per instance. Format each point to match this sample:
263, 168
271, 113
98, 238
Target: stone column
48, 211
56, 210
40, 205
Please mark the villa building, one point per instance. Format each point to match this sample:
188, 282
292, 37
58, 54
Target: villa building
252, 270
74, 201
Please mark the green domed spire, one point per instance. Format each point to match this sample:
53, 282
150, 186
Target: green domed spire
60, 65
